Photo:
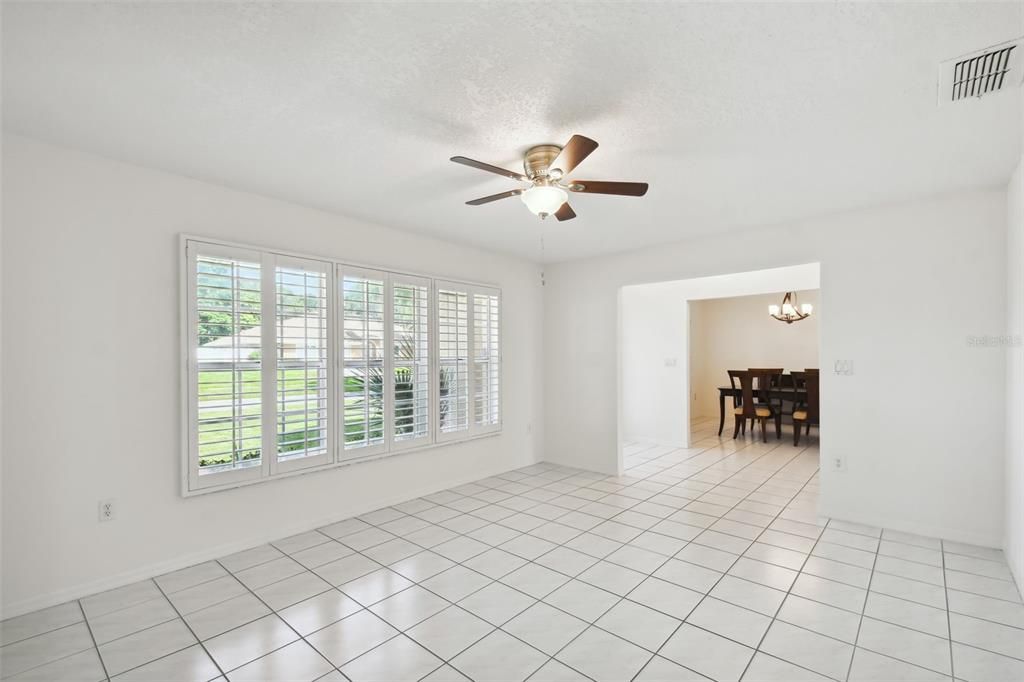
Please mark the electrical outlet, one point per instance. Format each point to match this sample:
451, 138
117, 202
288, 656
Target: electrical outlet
843, 367
106, 510
838, 464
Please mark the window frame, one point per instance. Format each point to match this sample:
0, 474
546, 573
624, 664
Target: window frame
278, 467
427, 438
191, 333
191, 246
475, 428
450, 436
378, 449
472, 430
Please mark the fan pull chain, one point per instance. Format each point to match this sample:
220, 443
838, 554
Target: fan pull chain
542, 283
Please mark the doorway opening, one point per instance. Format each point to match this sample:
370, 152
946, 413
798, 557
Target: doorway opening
677, 341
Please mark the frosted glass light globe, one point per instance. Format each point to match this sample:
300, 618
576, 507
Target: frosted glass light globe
544, 200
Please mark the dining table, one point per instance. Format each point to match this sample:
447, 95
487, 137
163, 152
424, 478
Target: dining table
777, 392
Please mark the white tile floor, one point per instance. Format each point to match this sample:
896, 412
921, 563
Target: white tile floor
705, 563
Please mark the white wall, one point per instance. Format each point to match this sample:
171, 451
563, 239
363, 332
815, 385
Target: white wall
736, 333
91, 385
653, 358
902, 289
1014, 541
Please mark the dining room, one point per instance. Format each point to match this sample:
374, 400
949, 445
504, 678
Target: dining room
754, 365
679, 339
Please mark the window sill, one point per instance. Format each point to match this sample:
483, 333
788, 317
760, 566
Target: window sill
186, 492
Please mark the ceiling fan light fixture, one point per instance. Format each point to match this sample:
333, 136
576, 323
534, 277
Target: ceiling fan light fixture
546, 190
544, 200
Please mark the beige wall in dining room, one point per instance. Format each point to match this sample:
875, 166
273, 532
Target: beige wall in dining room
737, 333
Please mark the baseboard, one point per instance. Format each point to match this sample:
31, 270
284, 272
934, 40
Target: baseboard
152, 570
927, 530
1015, 559
587, 466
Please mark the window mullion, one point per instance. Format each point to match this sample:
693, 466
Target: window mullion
268, 363
389, 362
335, 427
471, 360
338, 361
434, 363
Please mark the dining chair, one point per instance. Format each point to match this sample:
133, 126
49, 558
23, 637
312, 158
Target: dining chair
733, 385
805, 412
775, 381
754, 384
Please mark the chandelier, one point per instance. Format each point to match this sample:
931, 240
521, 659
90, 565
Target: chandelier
791, 311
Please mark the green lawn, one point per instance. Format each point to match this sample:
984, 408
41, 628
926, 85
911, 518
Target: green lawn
216, 385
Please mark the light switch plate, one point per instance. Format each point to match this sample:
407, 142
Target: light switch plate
843, 367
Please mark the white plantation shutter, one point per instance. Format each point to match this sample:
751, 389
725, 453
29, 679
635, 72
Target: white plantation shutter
294, 362
453, 359
225, 328
301, 322
411, 360
486, 360
365, 361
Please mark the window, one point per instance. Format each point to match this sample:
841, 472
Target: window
453, 352
469, 355
486, 361
411, 359
227, 344
363, 360
299, 363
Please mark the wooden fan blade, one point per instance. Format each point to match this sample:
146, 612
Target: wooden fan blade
574, 151
565, 212
489, 168
495, 197
629, 189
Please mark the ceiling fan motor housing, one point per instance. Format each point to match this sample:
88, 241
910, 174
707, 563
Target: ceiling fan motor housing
538, 159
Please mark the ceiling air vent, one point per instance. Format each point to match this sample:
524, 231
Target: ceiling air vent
980, 73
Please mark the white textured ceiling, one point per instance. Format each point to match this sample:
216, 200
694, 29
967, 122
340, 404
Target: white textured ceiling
737, 114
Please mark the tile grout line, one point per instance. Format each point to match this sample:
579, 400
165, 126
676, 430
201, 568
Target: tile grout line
59, 658
863, 610
186, 624
589, 623
414, 584
85, 619
783, 603
621, 598
278, 616
726, 571
670, 558
949, 619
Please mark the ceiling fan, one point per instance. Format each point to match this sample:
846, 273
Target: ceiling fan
546, 166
